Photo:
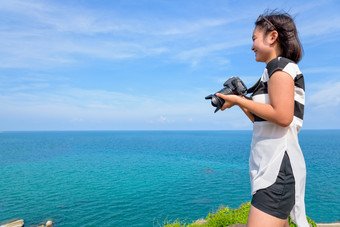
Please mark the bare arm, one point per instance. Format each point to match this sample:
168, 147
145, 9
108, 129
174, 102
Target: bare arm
281, 95
248, 113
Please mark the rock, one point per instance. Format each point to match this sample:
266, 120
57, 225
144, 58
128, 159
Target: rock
49, 224
17, 223
328, 224
200, 221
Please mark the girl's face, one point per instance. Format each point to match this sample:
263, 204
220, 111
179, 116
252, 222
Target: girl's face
261, 46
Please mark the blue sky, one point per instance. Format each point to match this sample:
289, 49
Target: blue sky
147, 65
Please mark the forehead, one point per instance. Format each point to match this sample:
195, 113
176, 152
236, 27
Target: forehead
257, 32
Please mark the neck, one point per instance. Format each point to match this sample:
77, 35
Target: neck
277, 52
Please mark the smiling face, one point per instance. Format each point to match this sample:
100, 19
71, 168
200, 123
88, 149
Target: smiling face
263, 45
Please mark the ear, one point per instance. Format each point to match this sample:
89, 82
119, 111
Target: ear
273, 37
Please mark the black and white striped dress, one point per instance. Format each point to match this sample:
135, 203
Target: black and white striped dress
270, 141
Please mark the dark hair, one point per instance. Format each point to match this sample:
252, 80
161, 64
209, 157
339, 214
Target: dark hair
288, 36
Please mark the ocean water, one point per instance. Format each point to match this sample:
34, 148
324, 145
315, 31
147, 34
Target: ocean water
146, 178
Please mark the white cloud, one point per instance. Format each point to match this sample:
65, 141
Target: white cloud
162, 119
45, 34
318, 21
326, 98
323, 106
41, 33
40, 36
179, 27
77, 119
53, 16
205, 50
329, 69
90, 103
198, 53
56, 49
321, 26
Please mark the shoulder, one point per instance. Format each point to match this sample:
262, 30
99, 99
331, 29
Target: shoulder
282, 64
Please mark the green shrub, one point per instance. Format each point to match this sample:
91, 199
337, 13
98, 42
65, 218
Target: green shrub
226, 217
223, 217
310, 221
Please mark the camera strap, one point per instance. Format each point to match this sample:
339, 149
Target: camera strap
253, 88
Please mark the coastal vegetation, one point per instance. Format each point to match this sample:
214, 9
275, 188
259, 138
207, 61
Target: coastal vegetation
225, 216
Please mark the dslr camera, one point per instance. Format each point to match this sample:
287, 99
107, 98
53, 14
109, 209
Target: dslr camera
233, 86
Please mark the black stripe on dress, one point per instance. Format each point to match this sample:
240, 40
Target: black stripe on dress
277, 64
257, 118
298, 110
299, 81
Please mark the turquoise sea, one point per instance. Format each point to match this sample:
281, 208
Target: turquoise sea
146, 178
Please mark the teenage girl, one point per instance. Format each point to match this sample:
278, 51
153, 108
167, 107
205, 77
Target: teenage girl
276, 164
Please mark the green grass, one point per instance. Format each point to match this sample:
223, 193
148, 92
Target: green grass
226, 217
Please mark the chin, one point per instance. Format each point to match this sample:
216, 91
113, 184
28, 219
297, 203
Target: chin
258, 59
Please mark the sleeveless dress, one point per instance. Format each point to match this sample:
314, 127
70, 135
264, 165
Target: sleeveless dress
270, 141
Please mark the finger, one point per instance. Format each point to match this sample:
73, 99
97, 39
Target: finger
220, 95
226, 106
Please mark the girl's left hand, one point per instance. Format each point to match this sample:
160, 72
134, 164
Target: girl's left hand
230, 100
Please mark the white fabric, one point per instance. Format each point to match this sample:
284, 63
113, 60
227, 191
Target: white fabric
269, 143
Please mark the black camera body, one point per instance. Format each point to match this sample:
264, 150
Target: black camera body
233, 86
